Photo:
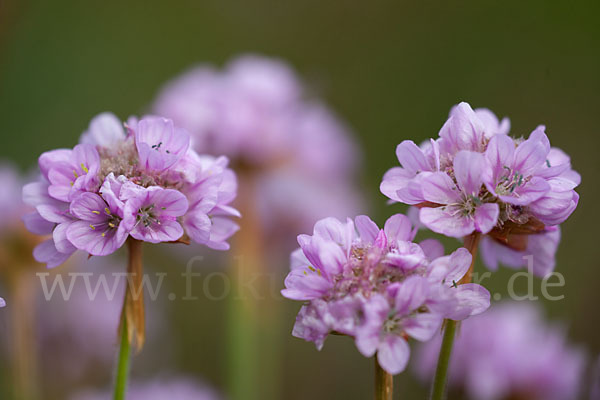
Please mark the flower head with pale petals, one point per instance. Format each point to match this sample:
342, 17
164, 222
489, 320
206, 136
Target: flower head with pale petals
378, 286
141, 184
476, 178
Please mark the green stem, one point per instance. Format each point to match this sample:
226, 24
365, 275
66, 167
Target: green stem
123, 363
441, 372
471, 243
384, 383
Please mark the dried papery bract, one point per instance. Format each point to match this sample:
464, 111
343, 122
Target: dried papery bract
135, 183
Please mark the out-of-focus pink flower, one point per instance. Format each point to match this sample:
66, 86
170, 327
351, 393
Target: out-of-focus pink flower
255, 111
178, 388
378, 286
141, 184
508, 352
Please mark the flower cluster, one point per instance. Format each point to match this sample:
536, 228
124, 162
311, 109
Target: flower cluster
378, 286
509, 353
476, 178
143, 181
298, 153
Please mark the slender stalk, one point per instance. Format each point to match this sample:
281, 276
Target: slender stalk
123, 362
132, 316
438, 391
441, 372
384, 383
245, 361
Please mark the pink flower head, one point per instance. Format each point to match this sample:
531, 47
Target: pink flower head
255, 111
508, 352
2, 302
113, 186
377, 286
476, 178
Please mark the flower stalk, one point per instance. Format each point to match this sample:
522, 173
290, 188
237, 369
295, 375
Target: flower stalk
123, 362
243, 338
471, 243
134, 296
132, 316
384, 383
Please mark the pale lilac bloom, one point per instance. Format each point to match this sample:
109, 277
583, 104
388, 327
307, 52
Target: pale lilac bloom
462, 209
514, 169
509, 352
377, 286
160, 145
476, 178
161, 388
151, 216
387, 326
2, 302
255, 110
99, 229
141, 184
71, 172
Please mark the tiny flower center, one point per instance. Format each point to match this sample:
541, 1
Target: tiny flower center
146, 216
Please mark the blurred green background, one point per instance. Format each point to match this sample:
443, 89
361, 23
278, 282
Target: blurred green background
392, 69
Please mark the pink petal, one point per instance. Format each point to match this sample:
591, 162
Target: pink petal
398, 227
500, 153
439, 188
441, 221
411, 157
393, 180
367, 229
89, 207
470, 169
530, 157
423, 326
486, 217
393, 354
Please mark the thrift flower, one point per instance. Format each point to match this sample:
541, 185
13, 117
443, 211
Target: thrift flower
298, 156
140, 184
509, 352
378, 286
476, 178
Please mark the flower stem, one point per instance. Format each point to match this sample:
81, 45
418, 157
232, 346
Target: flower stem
244, 325
123, 362
384, 383
441, 372
438, 391
132, 316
